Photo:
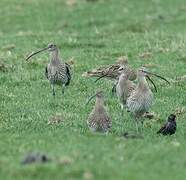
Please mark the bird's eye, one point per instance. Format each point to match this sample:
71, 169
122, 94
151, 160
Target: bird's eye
50, 45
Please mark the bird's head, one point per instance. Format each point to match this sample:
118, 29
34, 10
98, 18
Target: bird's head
51, 47
99, 94
124, 76
142, 72
172, 117
123, 60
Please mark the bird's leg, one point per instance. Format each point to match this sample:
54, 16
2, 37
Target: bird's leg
137, 118
141, 115
122, 109
114, 89
53, 90
63, 89
142, 125
137, 129
127, 109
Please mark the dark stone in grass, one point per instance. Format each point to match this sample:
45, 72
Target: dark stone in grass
35, 158
126, 135
169, 127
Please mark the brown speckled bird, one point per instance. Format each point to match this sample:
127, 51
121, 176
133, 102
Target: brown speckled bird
99, 120
169, 127
57, 71
141, 98
111, 71
124, 87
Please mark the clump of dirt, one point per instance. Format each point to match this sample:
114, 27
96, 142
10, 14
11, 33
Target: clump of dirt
3, 67
56, 119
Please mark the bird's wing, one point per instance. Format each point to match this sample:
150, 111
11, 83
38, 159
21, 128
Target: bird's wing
109, 122
162, 128
68, 65
171, 127
134, 102
109, 71
92, 120
46, 72
68, 73
131, 88
133, 74
105, 119
114, 89
105, 123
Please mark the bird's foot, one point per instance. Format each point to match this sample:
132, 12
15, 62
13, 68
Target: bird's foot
53, 92
63, 89
137, 128
122, 113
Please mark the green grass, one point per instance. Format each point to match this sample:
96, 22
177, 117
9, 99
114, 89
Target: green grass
93, 34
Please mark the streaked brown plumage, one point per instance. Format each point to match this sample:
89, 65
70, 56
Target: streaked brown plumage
111, 71
57, 71
98, 119
141, 98
124, 88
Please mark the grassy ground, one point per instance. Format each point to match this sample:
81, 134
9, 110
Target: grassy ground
93, 33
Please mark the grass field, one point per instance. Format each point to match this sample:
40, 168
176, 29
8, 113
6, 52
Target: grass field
92, 33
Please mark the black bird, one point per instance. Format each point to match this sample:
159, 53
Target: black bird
169, 127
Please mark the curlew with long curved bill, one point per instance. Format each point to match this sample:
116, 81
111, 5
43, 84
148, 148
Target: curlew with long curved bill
57, 71
141, 99
99, 120
124, 88
111, 72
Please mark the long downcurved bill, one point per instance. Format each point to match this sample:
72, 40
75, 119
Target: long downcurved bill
152, 82
106, 74
100, 77
90, 99
34, 53
156, 76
